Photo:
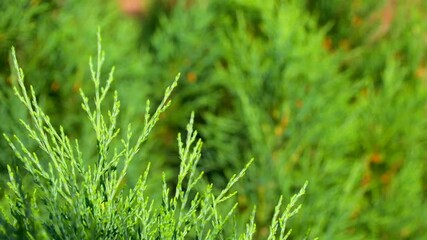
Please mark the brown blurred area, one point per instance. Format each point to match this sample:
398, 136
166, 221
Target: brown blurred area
133, 7
140, 8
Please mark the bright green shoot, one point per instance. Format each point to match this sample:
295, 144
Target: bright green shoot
72, 198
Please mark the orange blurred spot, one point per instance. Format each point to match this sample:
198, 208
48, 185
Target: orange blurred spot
421, 72
191, 77
264, 232
299, 103
55, 86
327, 43
385, 16
366, 179
278, 130
133, 7
386, 178
376, 158
356, 21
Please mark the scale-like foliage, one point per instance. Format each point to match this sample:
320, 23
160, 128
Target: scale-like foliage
73, 198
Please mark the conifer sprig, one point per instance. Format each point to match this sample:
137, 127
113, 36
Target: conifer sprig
76, 199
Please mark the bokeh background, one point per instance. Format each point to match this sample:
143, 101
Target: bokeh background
329, 91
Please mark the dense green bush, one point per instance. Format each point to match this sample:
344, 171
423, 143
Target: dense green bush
72, 199
327, 91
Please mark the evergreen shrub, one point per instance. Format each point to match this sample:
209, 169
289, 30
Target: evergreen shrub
74, 199
333, 92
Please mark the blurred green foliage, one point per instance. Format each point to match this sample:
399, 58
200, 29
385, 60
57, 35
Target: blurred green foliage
333, 92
